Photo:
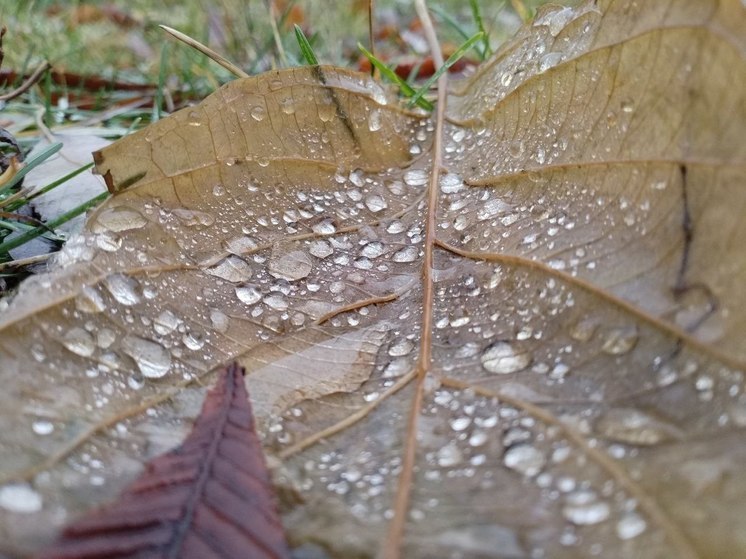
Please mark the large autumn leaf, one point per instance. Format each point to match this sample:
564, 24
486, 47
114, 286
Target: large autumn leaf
510, 330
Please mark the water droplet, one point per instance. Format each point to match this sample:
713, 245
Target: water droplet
401, 347
449, 455
506, 79
20, 498
291, 266
620, 340
628, 425
165, 323
549, 60
89, 301
118, 219
240, 245
232, 269
396, 368
583, 330
478, 438
374, 120
396, 227
502, 358
584, 509
416, 177
219, 320
258, 113
79, 342
630, 526
42, 427
152, 359
373, 249
375, 203
737, 412
276, 301
193, 340
407, 254
248, 294
525, 459
324, 227
320, 249
287, 105
124, 289
451, 183
218, 190
192, 218
108, 242
460, 423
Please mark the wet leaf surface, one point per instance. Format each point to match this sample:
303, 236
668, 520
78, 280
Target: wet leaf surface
516, 327
209, 498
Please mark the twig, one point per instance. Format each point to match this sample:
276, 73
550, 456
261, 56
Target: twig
31, 80
207, 51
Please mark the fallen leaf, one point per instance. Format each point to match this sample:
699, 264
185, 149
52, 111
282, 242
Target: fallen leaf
513, 329
211, 497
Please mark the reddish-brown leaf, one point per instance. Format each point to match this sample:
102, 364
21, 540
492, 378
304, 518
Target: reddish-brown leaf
209, 498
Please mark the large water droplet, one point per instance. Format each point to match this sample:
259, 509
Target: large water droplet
375, 203
152, 359
503, 358
525, 459
90, 301
374, 120
232, 269
416, 177
620, 340
240, 245
324, 227
166, 322
449, 455
291, 266
451, 183
406, 254
632, 426
630, 526
20, 498
373, 249
584, 509
320, 249
118, 219
79, 342
258, 113
124, 289
248, 294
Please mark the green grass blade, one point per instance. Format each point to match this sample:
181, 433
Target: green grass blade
51, 224
476, 12
406, 89
463, 49
305, 47
40, 158
451, 21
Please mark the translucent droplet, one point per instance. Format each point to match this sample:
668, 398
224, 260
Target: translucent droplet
324, 227
219, 320
449, 455
124, 289
248, 294
320, 249
232, 269
416, 177
549, 60
166, 322
373, 249
118, 219
375, 203
451, 183
584, 509
478, 438
90, 301
192, 218
406, 254
42, 427
506, 79
620, 340
524, 459
583, 330
108, 242
276, 301
79, 342
291, 266
401, 347
632, 426
258, 113
460, 423
20, 498
630, 526
396, 227
374, 120
193, 340
151, 358
502, 358
240, 245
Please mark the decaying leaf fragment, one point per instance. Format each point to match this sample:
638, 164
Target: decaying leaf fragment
210, 497
514, 329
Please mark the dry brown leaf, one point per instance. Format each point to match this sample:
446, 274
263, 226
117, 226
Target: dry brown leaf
567, 380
